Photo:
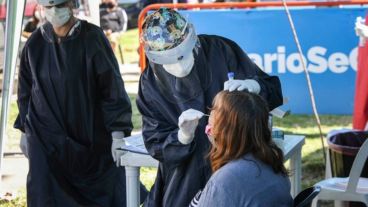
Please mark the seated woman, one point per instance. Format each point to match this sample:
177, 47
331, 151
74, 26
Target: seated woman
247, 166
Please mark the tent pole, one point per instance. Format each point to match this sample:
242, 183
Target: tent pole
309, 82
14, 16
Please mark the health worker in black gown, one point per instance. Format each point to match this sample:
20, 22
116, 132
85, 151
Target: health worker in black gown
74, 111
183, 74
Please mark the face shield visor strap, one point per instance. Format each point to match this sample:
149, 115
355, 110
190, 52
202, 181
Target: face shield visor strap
172, 56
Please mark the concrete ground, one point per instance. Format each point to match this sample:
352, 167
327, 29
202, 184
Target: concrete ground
15, 165
14, 174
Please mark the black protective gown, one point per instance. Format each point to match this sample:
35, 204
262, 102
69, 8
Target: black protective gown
71, 97
183, 169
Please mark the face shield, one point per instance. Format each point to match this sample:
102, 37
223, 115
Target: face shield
177, 61
182, 68
174, 53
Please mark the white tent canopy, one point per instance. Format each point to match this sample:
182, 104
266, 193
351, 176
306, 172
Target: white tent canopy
14, 17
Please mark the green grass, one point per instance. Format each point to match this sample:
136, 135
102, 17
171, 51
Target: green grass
148, 175
129, 43
313, 167
19, 201
136, 116
13, 135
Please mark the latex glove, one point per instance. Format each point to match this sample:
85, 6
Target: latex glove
249, 84
188, 122
23, 144
117, 142
361, 29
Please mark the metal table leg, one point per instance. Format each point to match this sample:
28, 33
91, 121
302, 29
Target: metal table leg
132, 186
296, 168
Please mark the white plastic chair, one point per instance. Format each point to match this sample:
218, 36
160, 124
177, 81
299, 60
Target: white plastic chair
305, 198
352, 188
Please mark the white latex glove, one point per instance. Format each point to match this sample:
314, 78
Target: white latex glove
361, 30
117, 143
188, 122
23, 144
249, 84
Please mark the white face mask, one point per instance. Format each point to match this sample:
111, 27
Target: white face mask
58, 16
182, 68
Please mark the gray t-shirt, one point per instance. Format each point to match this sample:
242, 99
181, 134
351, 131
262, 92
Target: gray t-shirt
246, 182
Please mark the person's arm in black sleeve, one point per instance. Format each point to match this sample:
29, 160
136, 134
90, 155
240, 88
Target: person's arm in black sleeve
241, 64
115, 103
24, 90
160, 136
270, 89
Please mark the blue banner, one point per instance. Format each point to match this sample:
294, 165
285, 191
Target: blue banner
328, 42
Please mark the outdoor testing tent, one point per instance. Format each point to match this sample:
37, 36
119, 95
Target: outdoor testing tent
13, 29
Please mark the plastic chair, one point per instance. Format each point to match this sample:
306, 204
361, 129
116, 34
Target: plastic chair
352, 188
305, 198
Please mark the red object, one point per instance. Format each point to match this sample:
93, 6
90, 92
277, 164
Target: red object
28, 10
360, 117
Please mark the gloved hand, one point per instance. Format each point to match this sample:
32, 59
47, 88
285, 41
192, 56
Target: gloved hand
361, 29
117, 142
251, 85
188, 122
23, 144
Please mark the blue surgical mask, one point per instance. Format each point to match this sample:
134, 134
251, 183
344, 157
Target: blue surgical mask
58, 16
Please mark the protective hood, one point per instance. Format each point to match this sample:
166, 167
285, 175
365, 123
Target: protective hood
49, 35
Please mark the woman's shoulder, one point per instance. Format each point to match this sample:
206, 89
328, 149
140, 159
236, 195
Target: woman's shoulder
230, 184
246, 164
245, 170
250, 176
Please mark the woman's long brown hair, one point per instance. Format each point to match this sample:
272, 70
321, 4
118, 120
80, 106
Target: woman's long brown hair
240, 126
